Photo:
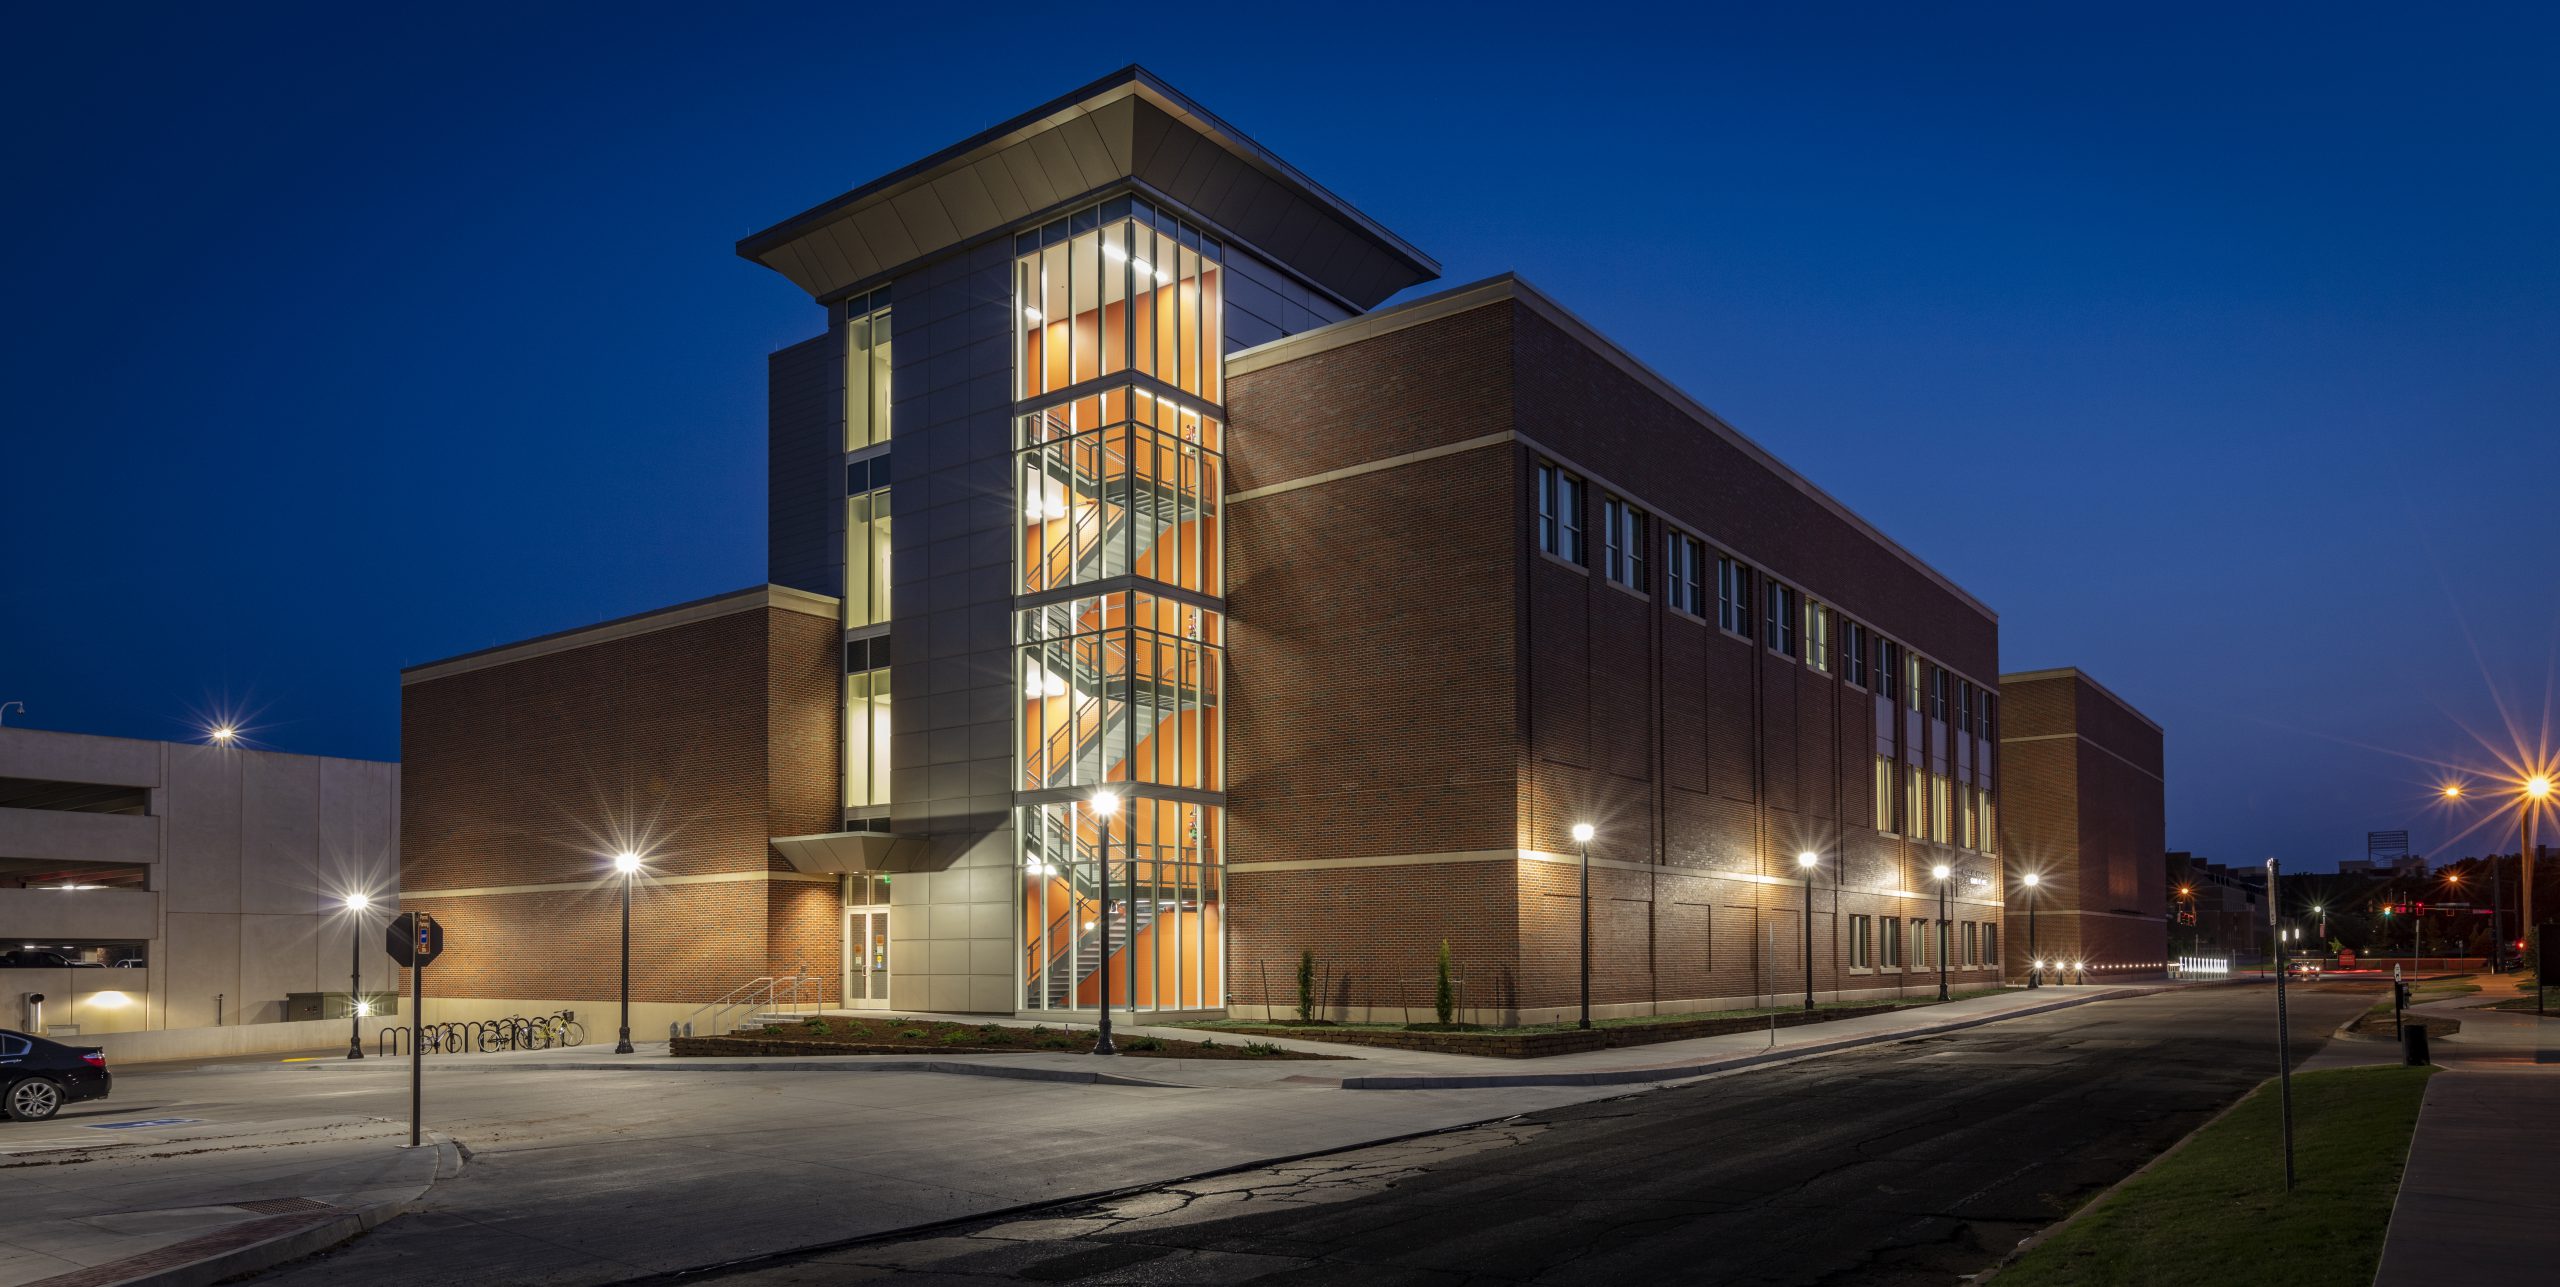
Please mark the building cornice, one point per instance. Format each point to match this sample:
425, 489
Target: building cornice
753, 599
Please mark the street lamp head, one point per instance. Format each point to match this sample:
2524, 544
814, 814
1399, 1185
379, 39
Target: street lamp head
223, 735
359, 902
1582, 833
1940, 872
626, 862
2538, 786
1106, 803
1808, 859
2030, 880
2186, 891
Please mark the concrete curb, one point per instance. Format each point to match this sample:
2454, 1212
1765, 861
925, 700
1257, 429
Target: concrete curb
809, 1063
1728, 1063
266, 1253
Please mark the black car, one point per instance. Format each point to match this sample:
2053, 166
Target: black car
38, 1077
42, 960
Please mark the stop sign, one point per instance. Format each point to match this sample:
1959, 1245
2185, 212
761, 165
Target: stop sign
414, 939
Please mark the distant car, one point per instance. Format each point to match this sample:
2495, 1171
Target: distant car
38, 1077
2306, 969
39, 959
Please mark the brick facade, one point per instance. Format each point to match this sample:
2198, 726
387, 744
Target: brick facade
1421, 704
693, 737
2085, 813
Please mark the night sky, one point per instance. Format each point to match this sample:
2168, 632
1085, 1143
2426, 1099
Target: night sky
2218, 353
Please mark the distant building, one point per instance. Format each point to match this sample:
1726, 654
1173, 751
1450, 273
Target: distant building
2082, 781
156, 885
2215, 910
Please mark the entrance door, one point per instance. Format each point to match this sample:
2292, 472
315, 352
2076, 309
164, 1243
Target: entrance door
866, 958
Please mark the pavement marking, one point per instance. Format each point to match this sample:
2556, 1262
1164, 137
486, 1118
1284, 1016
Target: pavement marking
146, 1122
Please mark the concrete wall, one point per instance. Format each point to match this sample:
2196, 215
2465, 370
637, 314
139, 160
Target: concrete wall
92, 1001
252, 854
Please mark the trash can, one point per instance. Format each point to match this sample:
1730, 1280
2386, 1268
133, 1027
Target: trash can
2413, 1045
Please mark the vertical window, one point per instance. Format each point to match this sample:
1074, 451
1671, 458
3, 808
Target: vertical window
1853, 652
1937, 692
866, 370
1964, 706
866, 721
1817, 636
1990, 728
1941, 810
1861, 938
1915, 803
1682, 572
1782, 619
1622, 543
1924, 947
1888, 670
866, 542
1122, 286
1559, 512
1733, 596
1891, 937
1972, 818
1884, 794
1911, 676
1990, 944
1972, 945
1990, 826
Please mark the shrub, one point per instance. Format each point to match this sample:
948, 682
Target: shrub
1306, 985
913, 1034
954, 1037
1143, 1043
1261, 1048
1444, 1001
1056, 1043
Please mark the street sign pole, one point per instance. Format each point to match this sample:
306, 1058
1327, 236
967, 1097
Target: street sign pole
2284, 1034
417, 1048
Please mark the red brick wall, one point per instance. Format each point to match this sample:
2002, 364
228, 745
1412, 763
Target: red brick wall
693, 744
2084, 808
1408, 676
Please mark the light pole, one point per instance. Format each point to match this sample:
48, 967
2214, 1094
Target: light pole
1104, 805
1809, 861
1940, 873
2035, 978
1582, 833
2536, 790
356, 903
223, 735
628, 863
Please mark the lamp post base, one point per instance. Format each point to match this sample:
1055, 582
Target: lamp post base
355, 1048
623, 1046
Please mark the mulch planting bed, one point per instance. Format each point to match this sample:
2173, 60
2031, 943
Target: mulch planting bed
845, 1036
1535, 1045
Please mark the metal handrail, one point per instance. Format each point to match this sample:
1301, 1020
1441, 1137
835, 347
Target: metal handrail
760, 994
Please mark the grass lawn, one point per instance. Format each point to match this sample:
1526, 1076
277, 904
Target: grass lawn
2549, 1005
2216, 1211
1630, 1021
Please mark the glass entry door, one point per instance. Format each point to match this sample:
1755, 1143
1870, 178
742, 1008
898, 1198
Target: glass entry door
866, 958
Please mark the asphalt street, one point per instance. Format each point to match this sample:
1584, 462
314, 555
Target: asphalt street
1915, 1162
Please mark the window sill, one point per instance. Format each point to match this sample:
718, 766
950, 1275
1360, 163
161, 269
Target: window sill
1626, 589
1563, 562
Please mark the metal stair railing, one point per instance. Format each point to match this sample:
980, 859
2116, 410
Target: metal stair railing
760, 995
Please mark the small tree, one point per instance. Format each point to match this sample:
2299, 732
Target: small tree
1444, 1002
1306, 985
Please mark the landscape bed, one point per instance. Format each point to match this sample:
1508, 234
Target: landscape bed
836, 1035
1538, 1041
2219, 1199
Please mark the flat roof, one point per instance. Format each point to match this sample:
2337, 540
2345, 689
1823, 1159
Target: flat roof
1076, 145
2074, 672
638, 623
1512, 287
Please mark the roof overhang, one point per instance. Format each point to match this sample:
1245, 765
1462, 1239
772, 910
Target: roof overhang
855, 853
1127, 129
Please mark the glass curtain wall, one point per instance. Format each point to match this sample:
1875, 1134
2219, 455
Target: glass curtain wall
1118, 335
866, 722
866, 370
1160, 881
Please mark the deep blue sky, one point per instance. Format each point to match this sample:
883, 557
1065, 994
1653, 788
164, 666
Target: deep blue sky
2220, 354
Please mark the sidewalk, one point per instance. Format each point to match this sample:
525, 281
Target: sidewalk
2475, 1204
167, 1204
1359, 1068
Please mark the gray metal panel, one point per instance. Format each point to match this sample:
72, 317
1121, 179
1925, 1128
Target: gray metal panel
1115, 122
886, 233
921, 212
964, 193
1029, 177
804, 517
1058, 161
1093, 157
828, 250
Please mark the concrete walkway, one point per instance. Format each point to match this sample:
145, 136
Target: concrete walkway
126, 1199
1353, 1067
2476, 1205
